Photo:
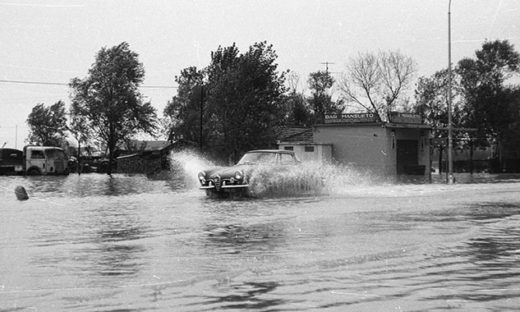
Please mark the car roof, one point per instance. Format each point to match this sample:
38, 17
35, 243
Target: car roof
271, 151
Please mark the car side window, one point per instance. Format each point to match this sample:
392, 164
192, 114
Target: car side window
37, 155
287, 159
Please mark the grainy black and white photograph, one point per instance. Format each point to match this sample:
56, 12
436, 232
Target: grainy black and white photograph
260, 155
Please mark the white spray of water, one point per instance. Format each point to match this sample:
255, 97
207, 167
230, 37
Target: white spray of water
187, 164
309, 178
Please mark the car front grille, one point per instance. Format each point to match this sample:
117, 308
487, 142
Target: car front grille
218, 182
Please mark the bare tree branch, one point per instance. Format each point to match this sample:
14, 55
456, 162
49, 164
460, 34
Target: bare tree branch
376, 81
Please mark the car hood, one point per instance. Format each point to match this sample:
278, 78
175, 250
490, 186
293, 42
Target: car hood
226, 172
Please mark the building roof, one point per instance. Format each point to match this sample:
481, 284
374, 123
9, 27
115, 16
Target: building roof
296, 135
150, 145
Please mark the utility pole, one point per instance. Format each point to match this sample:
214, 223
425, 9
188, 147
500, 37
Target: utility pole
449, 176
327, 66
201, 114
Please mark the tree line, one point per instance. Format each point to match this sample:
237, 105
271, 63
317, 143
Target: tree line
241, 100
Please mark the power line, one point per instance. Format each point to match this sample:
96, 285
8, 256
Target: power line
66, 84
34, 82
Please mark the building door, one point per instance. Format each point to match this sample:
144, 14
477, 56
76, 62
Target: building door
407, 156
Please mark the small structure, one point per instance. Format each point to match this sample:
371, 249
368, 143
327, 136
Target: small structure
300, 141
400, 146
148, 156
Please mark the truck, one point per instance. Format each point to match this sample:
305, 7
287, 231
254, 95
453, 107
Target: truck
11, 161
44, 160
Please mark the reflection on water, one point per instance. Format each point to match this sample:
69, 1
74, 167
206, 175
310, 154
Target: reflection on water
137, 243
249, 238
246, 296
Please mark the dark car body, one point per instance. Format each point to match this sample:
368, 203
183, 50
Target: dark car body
11, 161
221, 180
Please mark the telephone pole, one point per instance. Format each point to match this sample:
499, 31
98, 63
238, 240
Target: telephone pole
327, 65
449, 176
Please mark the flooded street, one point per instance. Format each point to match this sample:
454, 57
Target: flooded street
95, 243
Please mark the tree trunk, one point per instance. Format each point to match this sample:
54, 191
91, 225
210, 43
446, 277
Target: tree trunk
441, 150
110, 160
111, 147
471, 156
79, 158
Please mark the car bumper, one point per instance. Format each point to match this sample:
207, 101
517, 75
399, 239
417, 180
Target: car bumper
225, 187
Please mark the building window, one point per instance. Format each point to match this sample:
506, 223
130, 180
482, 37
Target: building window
309, 149
288, 148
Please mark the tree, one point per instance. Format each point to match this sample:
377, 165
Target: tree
79, 128
110, 100
47, 125
489, 102
431, 97
183, 111
376, 82
245, 98
320, 83
240, 97
298, 110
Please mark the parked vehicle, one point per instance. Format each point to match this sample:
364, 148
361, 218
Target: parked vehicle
222, 180
44, 160
11, 161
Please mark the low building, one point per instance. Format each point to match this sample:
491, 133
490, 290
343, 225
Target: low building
300, 140
400, 146
150, 156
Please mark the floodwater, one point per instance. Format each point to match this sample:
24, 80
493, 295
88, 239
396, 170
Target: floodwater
131, 243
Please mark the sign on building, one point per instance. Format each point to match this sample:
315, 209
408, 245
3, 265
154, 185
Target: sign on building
350, 118
407, 118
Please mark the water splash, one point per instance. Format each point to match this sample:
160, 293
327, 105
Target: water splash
308, 178
187, 164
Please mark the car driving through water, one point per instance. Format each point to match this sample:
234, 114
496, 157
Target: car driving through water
238, 178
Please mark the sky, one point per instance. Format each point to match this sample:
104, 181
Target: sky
46, 43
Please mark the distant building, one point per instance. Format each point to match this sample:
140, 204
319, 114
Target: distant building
147, 156
400, 146
300, 140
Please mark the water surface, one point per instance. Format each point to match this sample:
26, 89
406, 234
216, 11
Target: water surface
131, 243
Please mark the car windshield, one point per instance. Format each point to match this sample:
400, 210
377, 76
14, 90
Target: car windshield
258, 158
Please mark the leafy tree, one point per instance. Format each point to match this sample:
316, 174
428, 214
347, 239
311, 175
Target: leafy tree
245, 98
110, 100
298, 110
489, 104
47, 125
376, 82
79, 128
431, 97
320, 83
242, 104
183, 111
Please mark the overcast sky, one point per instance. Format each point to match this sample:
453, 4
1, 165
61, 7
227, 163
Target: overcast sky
54, 41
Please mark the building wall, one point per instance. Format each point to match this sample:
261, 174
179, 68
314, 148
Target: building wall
360, 146
137, 164
372, 147
320, 153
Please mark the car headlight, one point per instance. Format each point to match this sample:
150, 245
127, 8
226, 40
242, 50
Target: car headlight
239, 175
202, 177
